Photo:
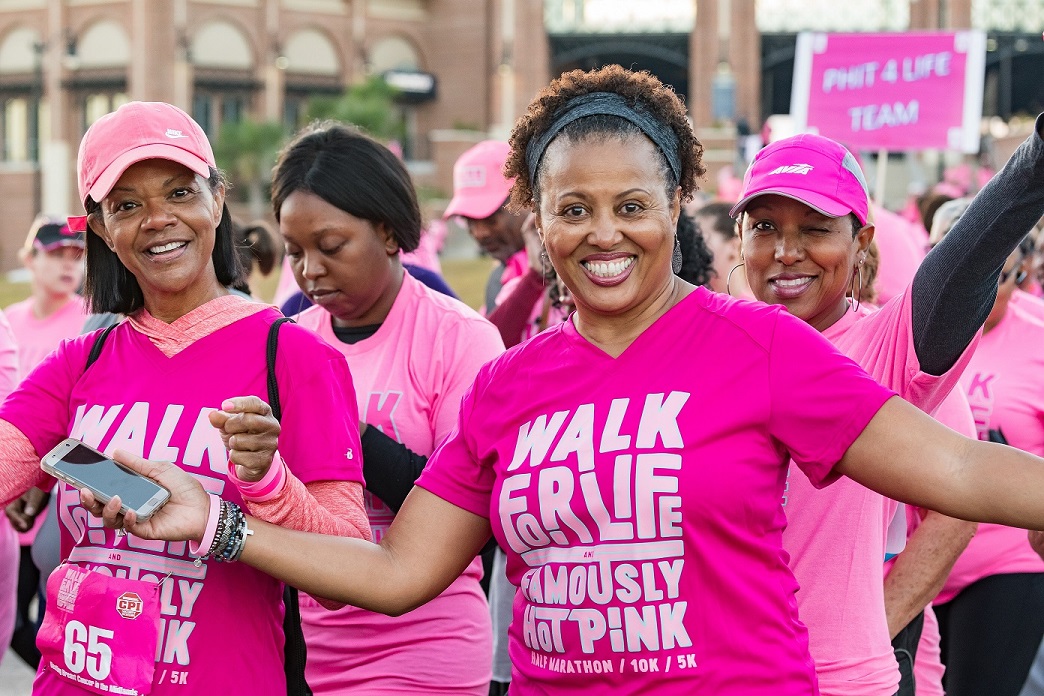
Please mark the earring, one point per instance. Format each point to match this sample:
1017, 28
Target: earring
728, 278
676, 256
545, 264
859, 288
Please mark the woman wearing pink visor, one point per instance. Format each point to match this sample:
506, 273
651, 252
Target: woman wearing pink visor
185, 379
806, 230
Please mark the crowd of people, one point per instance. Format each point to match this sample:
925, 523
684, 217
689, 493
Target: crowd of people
785, 444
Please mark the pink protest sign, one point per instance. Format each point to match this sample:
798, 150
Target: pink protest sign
891, 91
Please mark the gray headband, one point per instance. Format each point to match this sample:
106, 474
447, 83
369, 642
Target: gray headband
608, 104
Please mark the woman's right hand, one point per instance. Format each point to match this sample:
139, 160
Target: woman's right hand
182, 518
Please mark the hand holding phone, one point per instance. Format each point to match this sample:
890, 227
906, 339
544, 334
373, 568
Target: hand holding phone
84, 467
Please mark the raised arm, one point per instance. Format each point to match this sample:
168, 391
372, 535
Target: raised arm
956, 284
906, 455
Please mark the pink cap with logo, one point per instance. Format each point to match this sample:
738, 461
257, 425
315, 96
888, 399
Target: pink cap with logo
479, 186
135, 132
814, 170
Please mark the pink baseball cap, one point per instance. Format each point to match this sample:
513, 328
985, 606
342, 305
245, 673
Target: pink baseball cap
479, 186
135, 132
814, 170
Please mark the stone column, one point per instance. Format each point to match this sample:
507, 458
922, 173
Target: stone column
703, 61
745, 58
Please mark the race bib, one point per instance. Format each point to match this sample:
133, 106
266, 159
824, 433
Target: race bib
100, 632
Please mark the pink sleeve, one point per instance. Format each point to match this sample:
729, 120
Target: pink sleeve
319, 436
464, 350
884, 345
20, 465
39, 407
454, 472
334, 508
820, 400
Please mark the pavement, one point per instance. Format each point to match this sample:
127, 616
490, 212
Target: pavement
16, 678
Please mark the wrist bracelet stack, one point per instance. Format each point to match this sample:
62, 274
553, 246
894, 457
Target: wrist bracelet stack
230, 535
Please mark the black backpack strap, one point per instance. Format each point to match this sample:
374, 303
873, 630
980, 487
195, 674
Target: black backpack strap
295, 652
96, 349
270, 358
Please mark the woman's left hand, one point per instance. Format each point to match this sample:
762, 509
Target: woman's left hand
250, 433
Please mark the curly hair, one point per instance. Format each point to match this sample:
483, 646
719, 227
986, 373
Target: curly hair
696, 257
640, 89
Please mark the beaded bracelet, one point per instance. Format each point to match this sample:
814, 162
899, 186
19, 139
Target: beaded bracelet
229, 536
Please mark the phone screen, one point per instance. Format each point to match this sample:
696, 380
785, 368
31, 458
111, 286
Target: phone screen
106, 476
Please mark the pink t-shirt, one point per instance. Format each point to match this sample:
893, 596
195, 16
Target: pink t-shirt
1028, 303
835, 536
638, 497
38, 337
221, 622
409, 378
955, 414
1005, 387
902, 247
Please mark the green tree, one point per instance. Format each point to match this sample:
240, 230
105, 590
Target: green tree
247, 150
369, 105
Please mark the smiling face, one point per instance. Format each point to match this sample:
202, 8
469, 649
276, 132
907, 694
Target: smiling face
607, 222
160, 219
343, 263
800, 258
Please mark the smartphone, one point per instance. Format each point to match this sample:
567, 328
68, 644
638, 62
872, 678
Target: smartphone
82, 466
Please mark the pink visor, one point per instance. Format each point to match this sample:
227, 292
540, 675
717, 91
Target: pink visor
811, 169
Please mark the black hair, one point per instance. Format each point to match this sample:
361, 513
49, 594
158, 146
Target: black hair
108, 286
641, 89
353, 172
254, 244
696, 257
721, 214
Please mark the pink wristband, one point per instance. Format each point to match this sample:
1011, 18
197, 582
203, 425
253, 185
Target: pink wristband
270, 485
208, 533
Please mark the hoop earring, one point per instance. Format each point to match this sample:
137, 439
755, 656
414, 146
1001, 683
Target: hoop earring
728, 278
859, 288
676, 256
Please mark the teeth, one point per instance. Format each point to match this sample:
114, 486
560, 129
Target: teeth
166, 247
792, 282
608, 269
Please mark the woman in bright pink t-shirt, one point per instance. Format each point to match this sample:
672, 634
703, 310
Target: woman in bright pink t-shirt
346, 210
184, 379
633, 459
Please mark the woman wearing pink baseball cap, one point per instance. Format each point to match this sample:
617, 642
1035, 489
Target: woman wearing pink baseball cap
806, 230
187, 378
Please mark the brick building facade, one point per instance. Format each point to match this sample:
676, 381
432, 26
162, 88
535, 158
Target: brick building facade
64, 63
